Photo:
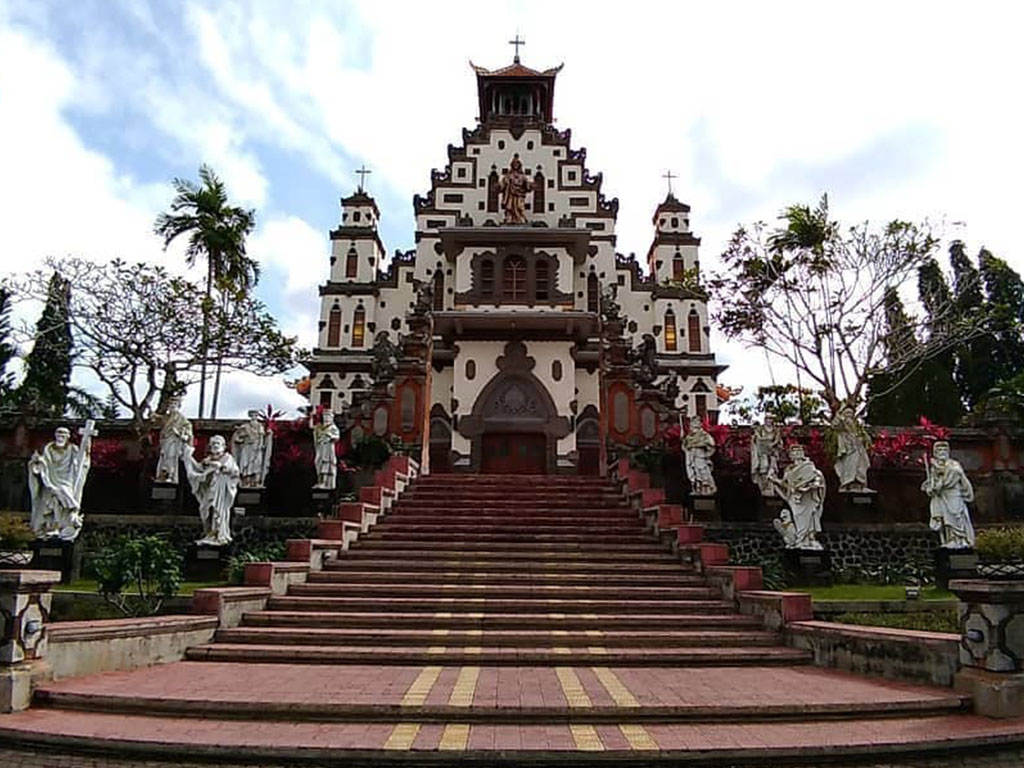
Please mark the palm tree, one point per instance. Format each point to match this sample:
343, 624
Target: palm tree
239, 276
217, 232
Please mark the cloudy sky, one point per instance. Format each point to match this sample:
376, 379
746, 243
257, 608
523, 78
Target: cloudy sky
895, 109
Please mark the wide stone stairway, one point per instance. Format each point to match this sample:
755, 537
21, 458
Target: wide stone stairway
502, 620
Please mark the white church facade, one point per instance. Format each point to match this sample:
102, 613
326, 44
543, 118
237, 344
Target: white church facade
513, 337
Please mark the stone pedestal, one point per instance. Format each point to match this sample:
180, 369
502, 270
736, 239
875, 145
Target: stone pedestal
206, 563
25, 602
325, 501
65, 557
250, 500
705, 509
809, 567
954, 564
166, 497
992, 645
860, 505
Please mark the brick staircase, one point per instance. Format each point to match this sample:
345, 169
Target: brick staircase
504, 620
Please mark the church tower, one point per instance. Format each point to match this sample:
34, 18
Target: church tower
521, 340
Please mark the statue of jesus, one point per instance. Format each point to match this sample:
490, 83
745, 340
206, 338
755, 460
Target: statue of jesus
514, 185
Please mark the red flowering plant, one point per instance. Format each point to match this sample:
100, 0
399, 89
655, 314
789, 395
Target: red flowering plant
907, 447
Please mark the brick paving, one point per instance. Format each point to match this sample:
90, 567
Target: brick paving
502, 621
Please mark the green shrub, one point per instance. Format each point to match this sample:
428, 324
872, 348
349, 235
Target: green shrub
921, 621
271, 552
147, 565
370, 452
1001, 545
15, 533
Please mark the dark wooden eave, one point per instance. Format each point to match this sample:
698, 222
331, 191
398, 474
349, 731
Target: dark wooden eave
496, 324
454, 240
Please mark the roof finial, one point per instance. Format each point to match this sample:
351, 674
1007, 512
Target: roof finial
362, 173
669, 176
517, 42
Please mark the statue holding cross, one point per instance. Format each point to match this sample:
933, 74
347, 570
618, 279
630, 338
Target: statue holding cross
56, 477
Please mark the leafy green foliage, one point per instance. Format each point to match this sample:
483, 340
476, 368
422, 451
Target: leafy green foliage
1001, 545
269, 552
783, 403
44, 390
149, 566
370, 452
15, 533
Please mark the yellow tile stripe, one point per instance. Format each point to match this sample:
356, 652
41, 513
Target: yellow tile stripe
440, 632
402, 737
638, 737
575, 694
620, 694
465, 687
455, 737
598, 650
562, 650
420, 688
586, 738
436, 649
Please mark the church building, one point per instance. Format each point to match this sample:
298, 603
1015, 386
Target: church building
513, 338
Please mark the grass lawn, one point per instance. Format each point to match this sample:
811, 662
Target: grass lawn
89, 585
872, 592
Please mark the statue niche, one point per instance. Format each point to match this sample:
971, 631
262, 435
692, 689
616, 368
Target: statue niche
515, 415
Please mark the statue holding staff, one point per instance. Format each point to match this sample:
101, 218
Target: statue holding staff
949, 491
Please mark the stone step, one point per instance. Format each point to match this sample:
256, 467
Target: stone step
490, 620
498, 655
456, 604
506, 591
478, 517
518, 535
391, 741
569, 548
513, 576
555, 526
500, 502
495, 694
570, 559
526, 567
716, 638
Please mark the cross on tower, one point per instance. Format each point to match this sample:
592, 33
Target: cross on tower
362, 173
517, 42
669, 175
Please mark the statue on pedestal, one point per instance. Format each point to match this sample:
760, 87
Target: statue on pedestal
325, 436
514, 186
699, 447
949, 491
175, 443
852, 460
803, 488
56, 477
765, 444
251, 444
214, 482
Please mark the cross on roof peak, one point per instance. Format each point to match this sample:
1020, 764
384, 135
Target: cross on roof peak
362, 174
517, 42
669, 176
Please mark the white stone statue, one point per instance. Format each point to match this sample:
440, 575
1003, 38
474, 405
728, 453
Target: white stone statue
803, 488
251, 445
214, 483
765, 444
325, 436
852, 460
56, 477
175, 443
699, 447
949, 492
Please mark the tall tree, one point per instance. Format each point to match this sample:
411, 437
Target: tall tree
972, 359
240, 276
216, 232
1005, 304
44, 390
7, 350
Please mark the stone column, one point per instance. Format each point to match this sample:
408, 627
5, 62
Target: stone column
25, 601
992, 645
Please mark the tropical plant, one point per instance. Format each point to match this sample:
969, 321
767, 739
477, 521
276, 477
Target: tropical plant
216, 232
137, 574
1001, 545
268, 552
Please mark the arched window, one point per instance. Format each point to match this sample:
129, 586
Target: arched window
334, 327
358, 327
593, 294
538, 192
542, 279
514, 279
678, 268
487, 277
693, 330
670, 331
492, 192
438, 291
351, 263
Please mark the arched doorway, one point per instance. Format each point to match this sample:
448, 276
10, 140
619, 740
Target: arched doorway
514, 426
